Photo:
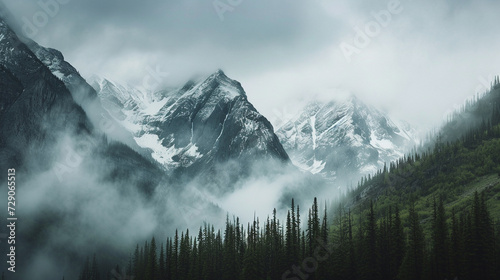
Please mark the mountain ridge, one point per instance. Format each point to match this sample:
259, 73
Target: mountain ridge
202, 123
332, 138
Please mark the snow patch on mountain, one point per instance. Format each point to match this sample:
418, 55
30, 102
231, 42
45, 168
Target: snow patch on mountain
161, 154
344, 139
201, 122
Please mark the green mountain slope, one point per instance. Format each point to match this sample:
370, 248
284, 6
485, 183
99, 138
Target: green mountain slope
450, 171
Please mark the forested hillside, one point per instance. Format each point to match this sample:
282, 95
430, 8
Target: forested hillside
450, 170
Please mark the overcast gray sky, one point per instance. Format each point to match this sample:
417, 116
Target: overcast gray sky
428, 57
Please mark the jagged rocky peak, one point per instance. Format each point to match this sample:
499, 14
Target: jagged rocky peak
53, 59
344, 138
196, 125
36, 105
221, 77
220, 86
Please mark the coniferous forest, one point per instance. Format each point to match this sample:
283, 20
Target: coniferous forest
459, 246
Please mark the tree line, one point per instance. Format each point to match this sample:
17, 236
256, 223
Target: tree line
463, 245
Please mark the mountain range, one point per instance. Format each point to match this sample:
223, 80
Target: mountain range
337, 140
118, 147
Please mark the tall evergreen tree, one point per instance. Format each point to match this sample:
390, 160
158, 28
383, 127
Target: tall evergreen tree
480, 241
136, 262
440, 242
94, 272
184, 251
85, 274
194, 269
370, 257
398, 245
413, 263
457, 247
175, 257
169, 259
161, 264
152, 263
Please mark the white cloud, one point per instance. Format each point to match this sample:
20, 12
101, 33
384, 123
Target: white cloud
430, 57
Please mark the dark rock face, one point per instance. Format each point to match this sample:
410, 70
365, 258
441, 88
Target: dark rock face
81, 91
39, 120
37, 110
217, 117
37, 105
196, 127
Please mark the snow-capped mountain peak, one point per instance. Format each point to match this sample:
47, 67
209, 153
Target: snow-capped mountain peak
343, 139
194, 126
219, 84
133, 98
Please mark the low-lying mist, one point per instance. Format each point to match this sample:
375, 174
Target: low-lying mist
96, 195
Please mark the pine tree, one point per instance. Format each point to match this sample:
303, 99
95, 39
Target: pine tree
137, 260
184, 259
175, 256
457, 247
230, 256
161, 264
130, 267
152, 265
168, 259
275, 257
298, 242
289, 241
144, 261
370, 269
309, 234
440, 242
324, 227
294, 232
315, 222
413, 263
352, 263
94, 271
85, 274
480, 241
323, 270
251, 263
497, 248
383, 244
194, 270
340, 253
398, 245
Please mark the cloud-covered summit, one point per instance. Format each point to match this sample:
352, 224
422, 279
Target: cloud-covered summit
431, 55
